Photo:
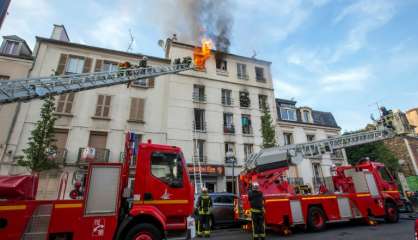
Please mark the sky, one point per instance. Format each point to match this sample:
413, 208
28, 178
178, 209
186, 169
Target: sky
339, 56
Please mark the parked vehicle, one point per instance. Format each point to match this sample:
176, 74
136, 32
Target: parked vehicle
222, 212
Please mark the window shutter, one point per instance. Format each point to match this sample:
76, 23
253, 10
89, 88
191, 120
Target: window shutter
99, 106
87, 65
140, 109
98, 66
69, 103
151, 82
106, 107
61, 102
61, 64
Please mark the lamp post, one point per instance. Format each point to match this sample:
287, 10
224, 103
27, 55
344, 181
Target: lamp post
230, 158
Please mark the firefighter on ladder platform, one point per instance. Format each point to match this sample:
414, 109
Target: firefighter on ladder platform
203, 205
256, 198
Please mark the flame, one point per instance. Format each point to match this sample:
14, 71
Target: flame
201, 54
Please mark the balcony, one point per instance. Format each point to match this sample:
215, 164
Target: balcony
199, 126
99, 155
201, 159
243, 76
337, 155
247, 130
199, 98
143, 83
227, 101
59, 156
229, 129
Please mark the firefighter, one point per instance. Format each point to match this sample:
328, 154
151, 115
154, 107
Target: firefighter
256, 199
204, 205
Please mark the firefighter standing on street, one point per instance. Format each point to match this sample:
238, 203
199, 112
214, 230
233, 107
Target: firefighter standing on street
256, 199
203, 205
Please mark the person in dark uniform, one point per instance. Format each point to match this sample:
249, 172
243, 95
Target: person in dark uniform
256, 199
204, 205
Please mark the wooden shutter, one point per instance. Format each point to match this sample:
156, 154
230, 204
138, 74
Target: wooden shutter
61, 103
151, 82
134, 106
69, 102
98, 66
98, 140
87, 65
60, 137
99, 106
106, 107
61, 64
137, 109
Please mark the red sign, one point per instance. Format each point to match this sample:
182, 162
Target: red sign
214, 170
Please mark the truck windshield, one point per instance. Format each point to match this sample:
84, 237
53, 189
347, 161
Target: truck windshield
167, 167
384, 173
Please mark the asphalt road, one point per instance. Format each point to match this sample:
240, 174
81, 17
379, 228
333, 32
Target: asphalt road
403, 230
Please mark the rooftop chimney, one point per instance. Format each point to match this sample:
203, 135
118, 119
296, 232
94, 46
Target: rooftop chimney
59, 33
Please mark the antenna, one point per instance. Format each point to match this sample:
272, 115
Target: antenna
131, 42
378, 107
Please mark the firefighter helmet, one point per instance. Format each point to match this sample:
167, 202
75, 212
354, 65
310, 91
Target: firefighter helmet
204, 190
256, 186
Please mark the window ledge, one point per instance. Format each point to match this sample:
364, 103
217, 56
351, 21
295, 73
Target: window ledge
139, 86
60, 114
222, 72
136, 121
101, 118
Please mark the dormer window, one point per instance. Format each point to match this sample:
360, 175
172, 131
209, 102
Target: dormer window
288, 114
306, 116
11, 48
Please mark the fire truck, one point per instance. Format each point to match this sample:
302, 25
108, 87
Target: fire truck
364, 191
107, 204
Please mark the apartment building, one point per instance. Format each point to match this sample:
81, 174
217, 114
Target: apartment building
15, 62
303, 124
216, 111
412, 116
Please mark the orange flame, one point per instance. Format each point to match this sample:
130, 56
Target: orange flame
201, 54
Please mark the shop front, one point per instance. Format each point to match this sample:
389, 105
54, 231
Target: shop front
212, 176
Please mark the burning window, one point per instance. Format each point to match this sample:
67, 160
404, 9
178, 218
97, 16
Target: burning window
221, 64
244, 99
259, 74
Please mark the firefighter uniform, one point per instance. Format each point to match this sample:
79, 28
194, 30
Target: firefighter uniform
256, 199
204, 205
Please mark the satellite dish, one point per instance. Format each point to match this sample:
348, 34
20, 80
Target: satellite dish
161, 43
297, 158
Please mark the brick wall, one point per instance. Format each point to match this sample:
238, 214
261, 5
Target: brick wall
398, 147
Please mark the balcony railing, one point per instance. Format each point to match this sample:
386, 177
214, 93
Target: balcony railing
229, 129
100, 155
59, 156
198, 97
243, 76
199, 126
227, 101
142, 83
201, 159
247, 130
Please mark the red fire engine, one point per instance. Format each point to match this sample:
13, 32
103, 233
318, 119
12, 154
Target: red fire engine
364, 191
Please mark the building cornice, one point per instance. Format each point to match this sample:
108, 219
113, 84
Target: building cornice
26, 58
282, 123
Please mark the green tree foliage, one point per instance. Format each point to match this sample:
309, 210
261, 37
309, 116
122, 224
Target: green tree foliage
267, 129
41, 142
375, 151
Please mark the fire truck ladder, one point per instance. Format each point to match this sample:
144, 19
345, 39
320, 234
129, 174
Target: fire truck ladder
296, 152
32, 88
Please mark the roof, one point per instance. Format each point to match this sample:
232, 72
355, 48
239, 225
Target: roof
14, 37
226, 53
324, 119
25, 53
412, 109
106, 50
285, 101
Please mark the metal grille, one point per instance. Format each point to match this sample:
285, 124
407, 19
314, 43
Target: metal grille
296, 211
37, 227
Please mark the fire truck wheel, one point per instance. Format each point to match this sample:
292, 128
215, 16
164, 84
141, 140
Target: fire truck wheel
144, 231
316, 219
392, 213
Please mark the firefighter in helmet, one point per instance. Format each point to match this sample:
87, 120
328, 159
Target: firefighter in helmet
256, 199
204, 205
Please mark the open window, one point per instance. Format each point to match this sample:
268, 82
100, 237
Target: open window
168, 168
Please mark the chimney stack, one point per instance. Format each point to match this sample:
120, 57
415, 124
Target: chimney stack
59, 33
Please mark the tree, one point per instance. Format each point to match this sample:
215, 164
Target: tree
267, 129
375, 151
41, 142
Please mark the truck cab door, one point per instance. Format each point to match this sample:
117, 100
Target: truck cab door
168, 186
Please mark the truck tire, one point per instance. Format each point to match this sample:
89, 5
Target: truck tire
316, 219
144, 231
391, 212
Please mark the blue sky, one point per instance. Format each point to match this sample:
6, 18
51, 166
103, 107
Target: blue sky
340, 56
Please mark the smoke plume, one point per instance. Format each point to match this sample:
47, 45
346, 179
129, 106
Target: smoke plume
191, 20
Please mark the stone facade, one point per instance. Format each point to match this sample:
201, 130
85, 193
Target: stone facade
406, 150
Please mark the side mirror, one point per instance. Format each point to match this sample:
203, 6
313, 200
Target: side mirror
176, 184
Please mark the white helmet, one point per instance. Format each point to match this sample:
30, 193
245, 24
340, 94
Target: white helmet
204, 190
256, 186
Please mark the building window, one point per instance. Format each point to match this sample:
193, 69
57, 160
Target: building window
167, 167
226, 97
262, 101
199, 150
310, 137
288, 114
137, 110
317, 172
65, 103
259, 74
246, 124
199, 93
11, 48
242, 71
74, 65
248, 150
199, 120
4, 77
221, 64
306, 116
109, 66
229, 147
244, 99
229, 123
103, 106
288, 138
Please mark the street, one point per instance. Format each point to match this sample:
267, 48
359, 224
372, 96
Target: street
404, 230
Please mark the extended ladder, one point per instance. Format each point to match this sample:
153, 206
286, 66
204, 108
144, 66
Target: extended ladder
32, 88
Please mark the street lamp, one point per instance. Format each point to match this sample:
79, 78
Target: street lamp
230, 158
